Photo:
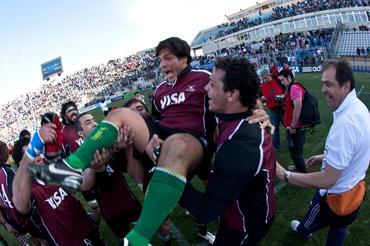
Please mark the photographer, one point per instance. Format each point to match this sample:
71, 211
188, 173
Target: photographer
273, 96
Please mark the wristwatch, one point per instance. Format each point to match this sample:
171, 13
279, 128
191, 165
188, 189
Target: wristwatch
287, 175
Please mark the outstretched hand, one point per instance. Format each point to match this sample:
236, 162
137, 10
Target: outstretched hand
260, 116
100, 159
314, 160
48, 133
280, 171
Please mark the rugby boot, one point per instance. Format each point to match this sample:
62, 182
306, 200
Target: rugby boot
59, 173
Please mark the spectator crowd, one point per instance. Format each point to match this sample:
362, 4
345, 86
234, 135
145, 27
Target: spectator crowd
278, 13
82, 86
117, 75
118, 144
296, 48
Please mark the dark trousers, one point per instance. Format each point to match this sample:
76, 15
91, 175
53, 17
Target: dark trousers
295, 144
120, 222
227, 236
93, 238
276, 116
319, 216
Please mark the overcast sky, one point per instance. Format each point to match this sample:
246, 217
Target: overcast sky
87, 32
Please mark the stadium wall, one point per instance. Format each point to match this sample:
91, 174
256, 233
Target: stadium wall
351, 17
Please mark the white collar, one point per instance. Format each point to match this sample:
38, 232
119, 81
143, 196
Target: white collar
351, 96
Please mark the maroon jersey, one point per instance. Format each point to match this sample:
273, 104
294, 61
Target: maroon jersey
20, 222
71, 141
241, 186
254, 173
182, 104
115, 197
113, 194
62, 215
6, 181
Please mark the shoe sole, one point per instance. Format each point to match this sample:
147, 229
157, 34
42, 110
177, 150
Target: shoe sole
70, 184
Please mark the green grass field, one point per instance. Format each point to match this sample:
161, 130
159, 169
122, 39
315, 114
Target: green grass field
292, 202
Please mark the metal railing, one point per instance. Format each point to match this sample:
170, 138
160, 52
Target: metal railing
334, 42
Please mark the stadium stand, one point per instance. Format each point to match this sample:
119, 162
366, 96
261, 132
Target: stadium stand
296, 48
116, 76
280, 31
299, 33
354, 43
277, 13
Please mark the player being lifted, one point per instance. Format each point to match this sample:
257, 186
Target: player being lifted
180, 103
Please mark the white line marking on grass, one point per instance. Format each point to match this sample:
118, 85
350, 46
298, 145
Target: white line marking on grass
279, 186
359, 92
176, 234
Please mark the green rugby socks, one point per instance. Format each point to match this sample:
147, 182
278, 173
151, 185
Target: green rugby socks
162, 195
103, 136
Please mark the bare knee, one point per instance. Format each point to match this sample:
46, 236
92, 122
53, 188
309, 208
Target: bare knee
176, 145
181, 152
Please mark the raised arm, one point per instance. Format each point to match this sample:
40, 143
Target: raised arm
22, 184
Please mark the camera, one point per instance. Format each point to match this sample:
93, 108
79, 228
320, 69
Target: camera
279, 98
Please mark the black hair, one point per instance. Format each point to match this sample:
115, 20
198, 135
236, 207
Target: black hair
18, 150
344, 72
240, 74
63, 112
180, 48
135, 100
4, 152
287, 73
77, 123
24, 133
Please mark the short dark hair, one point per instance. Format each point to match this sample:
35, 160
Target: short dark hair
77, 124
18, 150
240, 75
24, 133
344, 72
4, 152
63, 111
135, 100
287, 73
180, 48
